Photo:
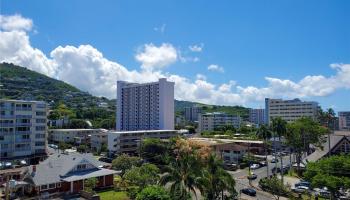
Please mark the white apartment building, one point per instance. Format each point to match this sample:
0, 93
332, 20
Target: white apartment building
344, 120
191, 113
77, 136
97, 140
146, 106
23, 129
211, 121
257, 116
129, 141
290, 110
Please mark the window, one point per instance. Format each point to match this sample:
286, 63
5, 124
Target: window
43, 187
52, 185
40, 120
39, 143
40, 128
40, 113
25, 136
81, 167
40, 136
58, 185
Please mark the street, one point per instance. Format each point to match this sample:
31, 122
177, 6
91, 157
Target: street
240, 177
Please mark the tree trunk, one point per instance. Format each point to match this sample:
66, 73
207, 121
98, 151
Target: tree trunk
267, 163
281, 162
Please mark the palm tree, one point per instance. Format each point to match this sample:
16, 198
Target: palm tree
182, 174
264, 133
279, 127
215, 180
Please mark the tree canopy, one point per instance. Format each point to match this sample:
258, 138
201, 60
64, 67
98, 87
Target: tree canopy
331, 172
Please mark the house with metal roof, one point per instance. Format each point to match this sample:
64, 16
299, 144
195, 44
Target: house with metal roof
66, 173
339, 143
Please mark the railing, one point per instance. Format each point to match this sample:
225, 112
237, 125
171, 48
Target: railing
23, 132
21, 140
23, 109
6, 116
6, 124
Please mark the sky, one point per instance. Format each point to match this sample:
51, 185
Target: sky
216, 52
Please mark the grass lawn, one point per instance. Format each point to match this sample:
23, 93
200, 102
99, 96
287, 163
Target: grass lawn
112, 195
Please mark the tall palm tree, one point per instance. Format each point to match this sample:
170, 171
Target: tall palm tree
215, 180
264, 133
279, 127
182, 174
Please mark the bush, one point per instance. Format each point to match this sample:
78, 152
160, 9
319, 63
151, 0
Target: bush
153, 193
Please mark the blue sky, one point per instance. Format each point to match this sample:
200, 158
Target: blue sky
249, 40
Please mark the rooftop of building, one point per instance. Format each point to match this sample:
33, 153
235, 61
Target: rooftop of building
219, 113
143, 131
324, 150
21, 101
59, 166
296, 100
79, 129
215, 141
132, 84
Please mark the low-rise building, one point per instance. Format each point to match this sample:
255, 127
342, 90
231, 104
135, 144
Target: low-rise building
232, 150
129, 141
212, 121
339, 143
77, 136
66, 173
97, 140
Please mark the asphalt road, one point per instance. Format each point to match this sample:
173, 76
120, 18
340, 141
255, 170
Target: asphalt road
240, 177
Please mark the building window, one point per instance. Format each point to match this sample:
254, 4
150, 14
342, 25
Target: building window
43, 187
81, 167
40, 128
52, 185
40, 113
58, 185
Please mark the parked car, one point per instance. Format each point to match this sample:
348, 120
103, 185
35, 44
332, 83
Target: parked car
262, 163
249, 191
230, 166
300, 189
105, 159
254, 166
278, 169
8, 165
274, 160
252, 176
303, 183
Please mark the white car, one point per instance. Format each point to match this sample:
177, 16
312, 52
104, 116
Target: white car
300, 189
254, 166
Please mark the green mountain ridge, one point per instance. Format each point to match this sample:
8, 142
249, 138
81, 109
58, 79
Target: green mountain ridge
21, 83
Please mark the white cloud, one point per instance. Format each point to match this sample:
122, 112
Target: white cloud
87, 68
15, 22
216, 68
152, 57
196, 48
160, 29
201, 77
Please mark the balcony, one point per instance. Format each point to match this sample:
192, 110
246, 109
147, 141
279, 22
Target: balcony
7, 116
23, 132
21, 140
23, 124
6, 124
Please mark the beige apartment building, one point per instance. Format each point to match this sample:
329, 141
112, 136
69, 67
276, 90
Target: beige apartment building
290, 110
